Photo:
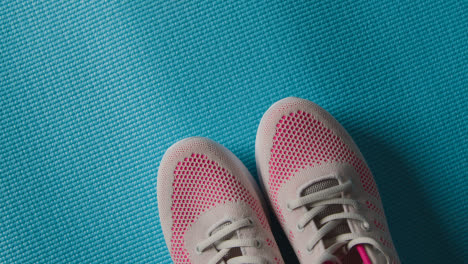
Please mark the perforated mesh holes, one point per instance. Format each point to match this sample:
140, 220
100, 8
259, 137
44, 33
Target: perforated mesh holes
200, 184
302, 141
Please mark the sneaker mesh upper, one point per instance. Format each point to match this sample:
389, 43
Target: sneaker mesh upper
302, 141
199, 184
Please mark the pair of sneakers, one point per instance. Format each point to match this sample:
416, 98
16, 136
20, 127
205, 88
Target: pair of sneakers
314, 176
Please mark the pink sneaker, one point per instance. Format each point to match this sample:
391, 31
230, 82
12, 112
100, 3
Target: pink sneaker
320, 187
210, 207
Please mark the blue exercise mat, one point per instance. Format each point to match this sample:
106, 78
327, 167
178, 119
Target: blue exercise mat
92, 94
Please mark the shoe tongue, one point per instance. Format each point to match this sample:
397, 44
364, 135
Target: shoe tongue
233, 252
343, 227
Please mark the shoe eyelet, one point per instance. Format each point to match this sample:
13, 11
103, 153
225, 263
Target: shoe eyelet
366, 226
288, 206
299, 228
198, 251
250, 221
309, 250
258, 244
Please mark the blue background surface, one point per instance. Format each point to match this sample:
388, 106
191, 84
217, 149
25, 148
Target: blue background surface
92, 94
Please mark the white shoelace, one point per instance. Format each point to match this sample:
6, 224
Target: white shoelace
318, 201
224, 245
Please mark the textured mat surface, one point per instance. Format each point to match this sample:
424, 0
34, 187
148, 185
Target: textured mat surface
92, 94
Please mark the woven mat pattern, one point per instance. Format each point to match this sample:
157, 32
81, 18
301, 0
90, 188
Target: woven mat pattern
93, 92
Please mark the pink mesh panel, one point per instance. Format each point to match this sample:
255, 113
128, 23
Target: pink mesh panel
386, 243
199, 184
302, 141
379, 225
375, 208
272, 244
